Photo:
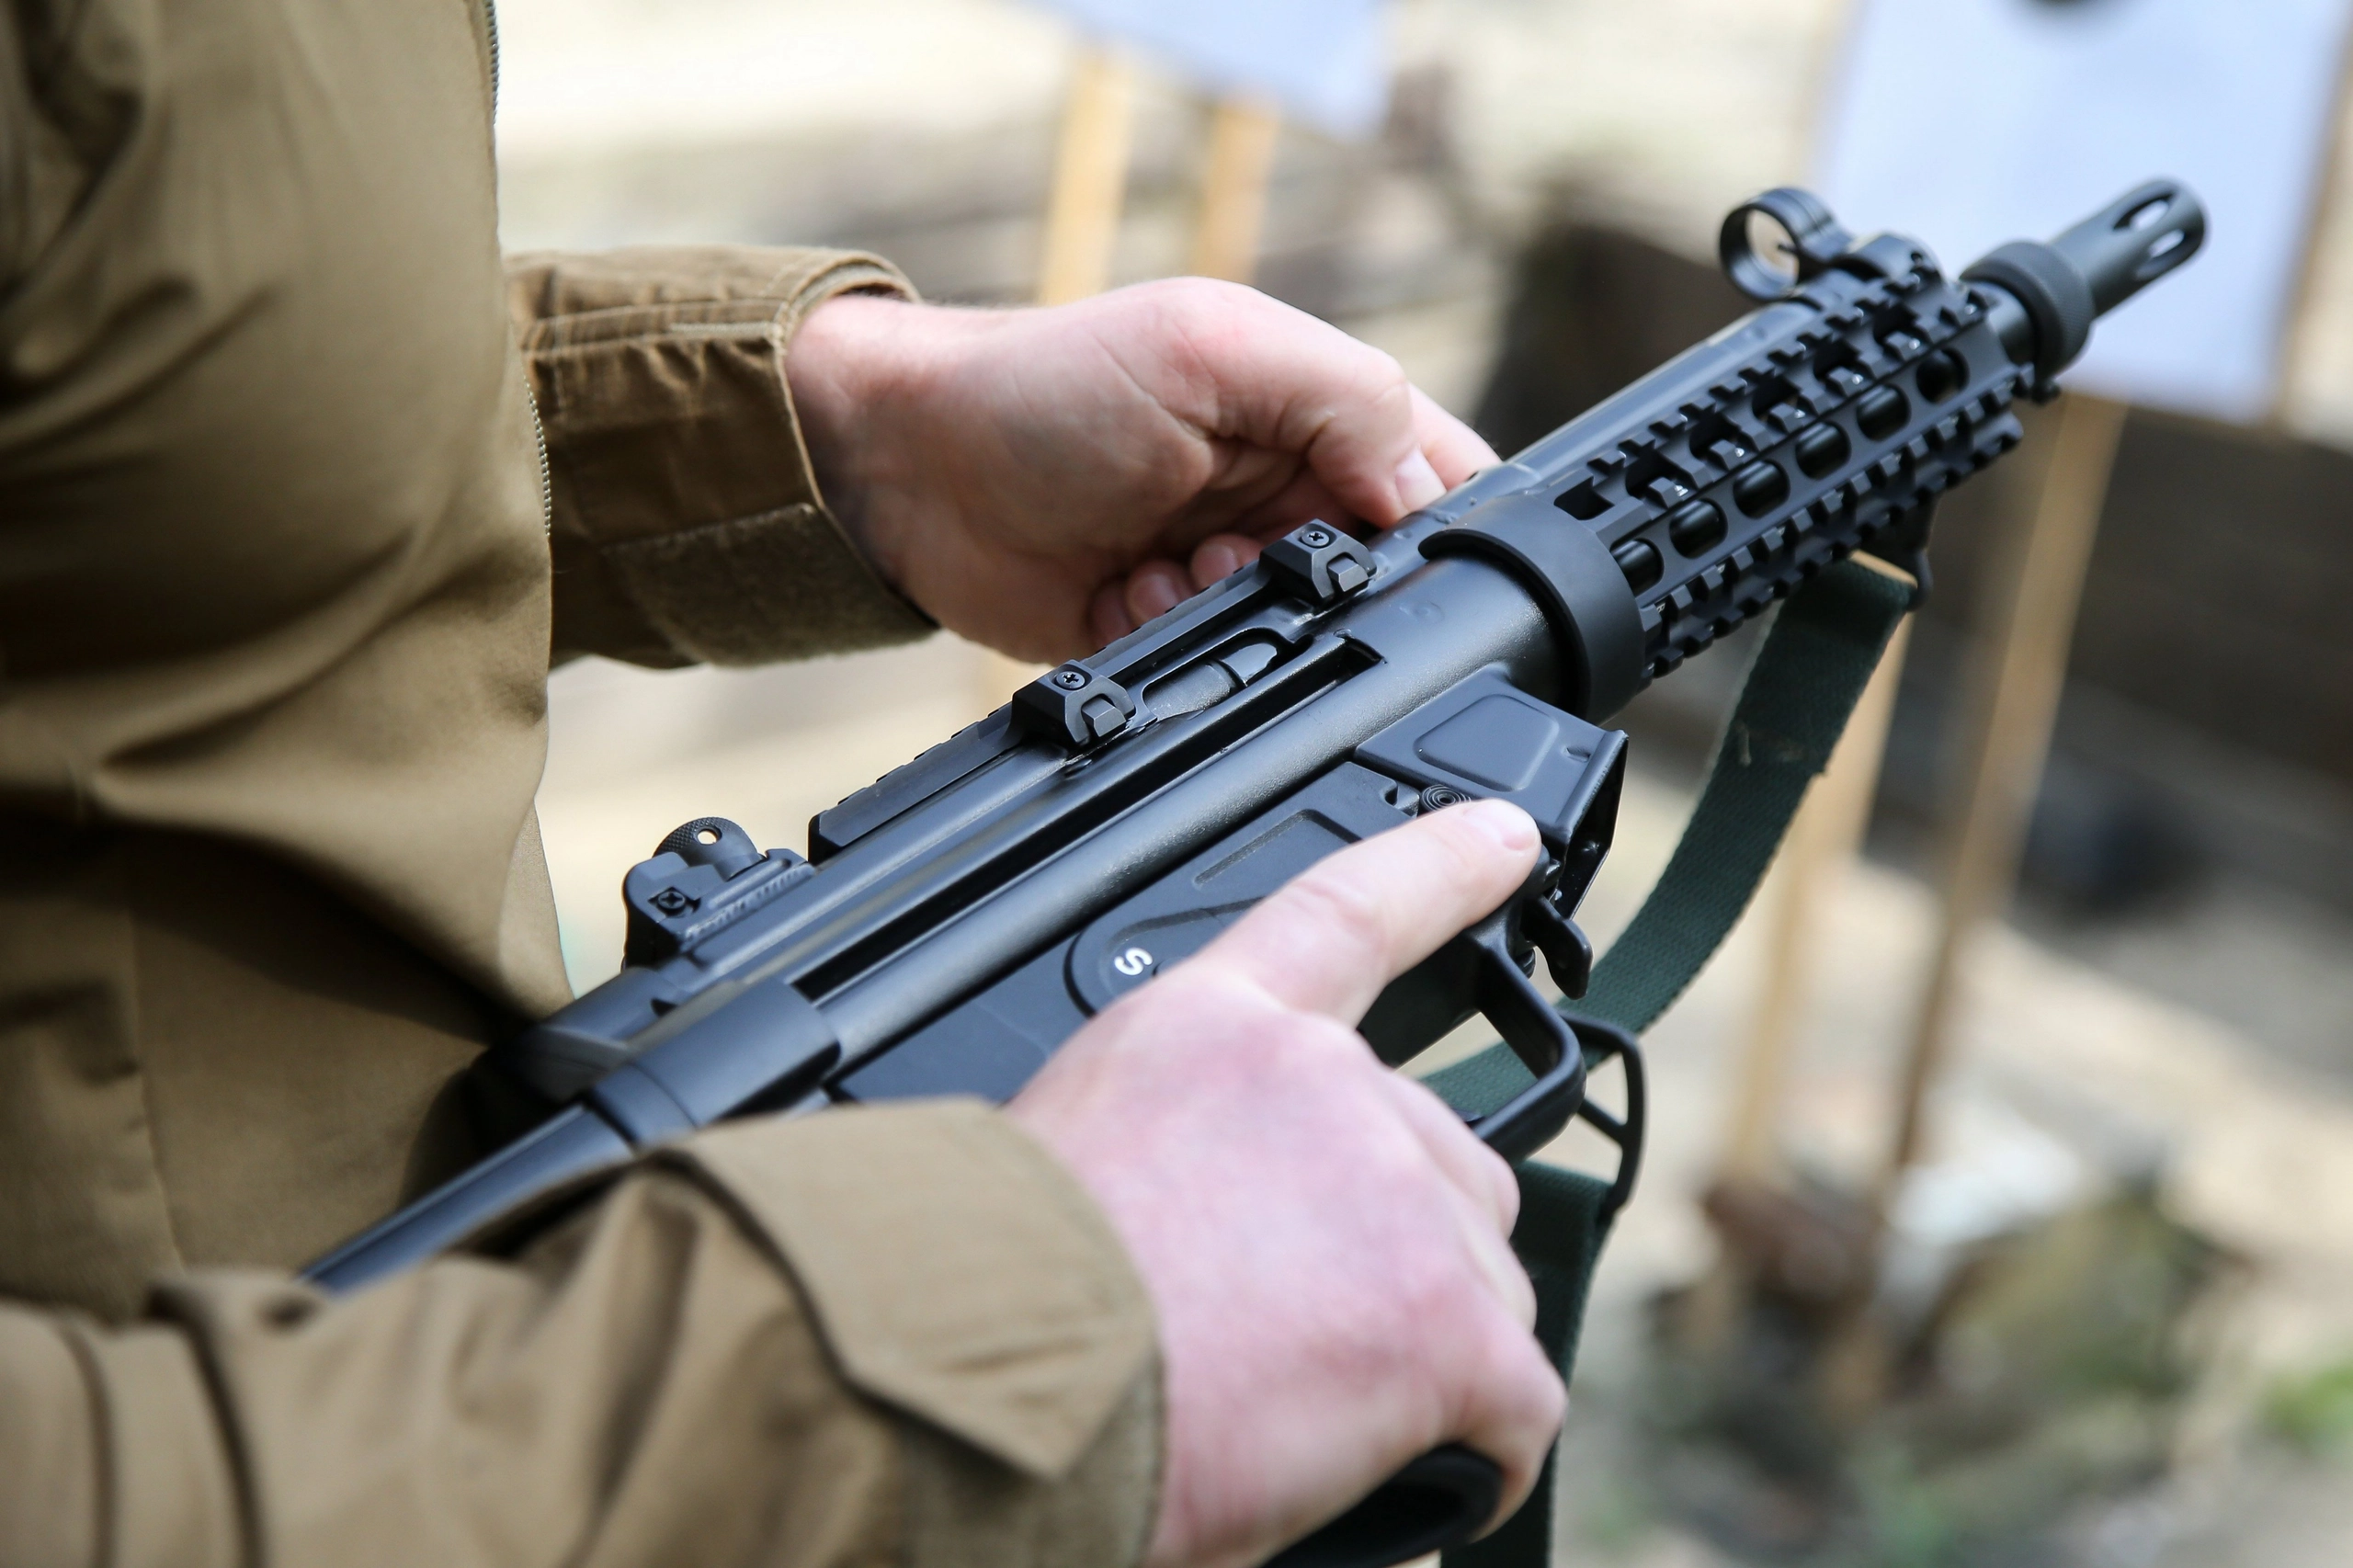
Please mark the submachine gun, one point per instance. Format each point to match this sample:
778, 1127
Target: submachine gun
955, 922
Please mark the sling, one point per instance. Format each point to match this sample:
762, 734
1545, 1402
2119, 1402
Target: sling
1793, 709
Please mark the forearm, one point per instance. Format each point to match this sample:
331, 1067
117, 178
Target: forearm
899, 1334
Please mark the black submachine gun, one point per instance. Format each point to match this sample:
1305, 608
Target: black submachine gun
955, 922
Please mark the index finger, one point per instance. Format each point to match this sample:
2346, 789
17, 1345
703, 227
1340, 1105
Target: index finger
1263, 374
1455, 450
1328, 940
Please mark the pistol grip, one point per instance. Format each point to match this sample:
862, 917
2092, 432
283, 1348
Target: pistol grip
1439, 1500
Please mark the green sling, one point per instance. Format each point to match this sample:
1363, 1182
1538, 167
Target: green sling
1805, 683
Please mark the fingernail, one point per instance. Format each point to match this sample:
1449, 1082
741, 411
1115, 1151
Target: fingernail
1214, 563
1108, 616
1417, 483
1510, 828
1149, 594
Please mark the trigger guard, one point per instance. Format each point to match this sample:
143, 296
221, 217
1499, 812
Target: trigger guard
1538, 1035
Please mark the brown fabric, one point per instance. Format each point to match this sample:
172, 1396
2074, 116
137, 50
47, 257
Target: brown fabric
993, 1353
643, 1385
275, 612
272, 563
275, 602
206, 1059
655, 370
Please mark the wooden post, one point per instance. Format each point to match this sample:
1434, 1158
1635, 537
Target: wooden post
2014, 678
1822, 841
1233, 189
1090, 180
2014, 683
1082, 231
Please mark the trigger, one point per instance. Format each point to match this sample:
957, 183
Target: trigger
1568, 951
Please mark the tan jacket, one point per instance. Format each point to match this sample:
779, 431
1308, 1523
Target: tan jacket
283, 562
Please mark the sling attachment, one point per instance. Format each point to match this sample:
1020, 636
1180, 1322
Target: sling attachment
1809, 243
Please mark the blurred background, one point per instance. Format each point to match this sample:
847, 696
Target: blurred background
2112, 1324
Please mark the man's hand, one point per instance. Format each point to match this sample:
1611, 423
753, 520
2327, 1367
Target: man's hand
1043, 480
1325, 1243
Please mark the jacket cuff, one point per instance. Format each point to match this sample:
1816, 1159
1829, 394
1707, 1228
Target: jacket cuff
169, 1495
899, 1334
685, 522
958, 1274
956, 1271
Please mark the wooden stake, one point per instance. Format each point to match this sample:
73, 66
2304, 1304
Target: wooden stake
1233, 189
1081, 232
1090, 180
1822, 841
2296, 326
2014, 679
2015, 682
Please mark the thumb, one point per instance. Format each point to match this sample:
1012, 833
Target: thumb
1331, 938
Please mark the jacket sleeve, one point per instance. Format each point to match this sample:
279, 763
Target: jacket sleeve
685, 521
879, 1336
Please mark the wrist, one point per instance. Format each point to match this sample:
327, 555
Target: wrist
844, 367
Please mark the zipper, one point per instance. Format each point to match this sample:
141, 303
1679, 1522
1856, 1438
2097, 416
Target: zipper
490, 30
539, 440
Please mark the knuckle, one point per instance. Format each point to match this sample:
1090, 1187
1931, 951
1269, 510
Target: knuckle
1202, 297
1384, 382
1216, 1011
1520, 1391
1440, 1284
1324, 1038
1431, 1284
1205, 998
1507, 1186
1302, 1041
1539, 1397
1551, 1398
1471, 855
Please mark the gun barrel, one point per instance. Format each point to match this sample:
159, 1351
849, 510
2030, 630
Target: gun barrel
2049, 295
2134, 241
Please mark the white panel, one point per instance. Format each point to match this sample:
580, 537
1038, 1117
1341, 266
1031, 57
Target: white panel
1968, 122
1321, 60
